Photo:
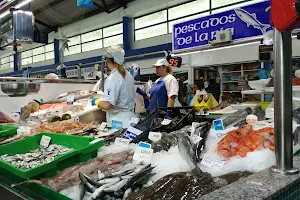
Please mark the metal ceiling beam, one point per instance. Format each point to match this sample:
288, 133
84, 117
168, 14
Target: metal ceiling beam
122, 3
53, 3
97, 5
105, 6
45, 25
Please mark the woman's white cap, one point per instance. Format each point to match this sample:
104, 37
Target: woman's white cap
161, 62
117, 53
51, 76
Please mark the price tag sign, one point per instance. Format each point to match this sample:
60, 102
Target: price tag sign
134, 121
218, 124
270, 113
102, 126
166, 122
121, 142
212, 163
144, 145
251, 119
70, 99
143, 155
195, 138
132, 133
45, 141
116, 125
76, 119
220, 135
154, 136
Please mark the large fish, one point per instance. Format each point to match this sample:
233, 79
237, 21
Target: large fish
251, 20
78, 94
183, 185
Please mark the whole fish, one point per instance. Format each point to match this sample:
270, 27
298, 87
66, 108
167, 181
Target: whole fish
35, 158
78, 94
69, 176
170, 139
234, 118
201, 131
183, 185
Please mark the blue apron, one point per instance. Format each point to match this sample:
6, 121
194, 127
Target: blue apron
158, 96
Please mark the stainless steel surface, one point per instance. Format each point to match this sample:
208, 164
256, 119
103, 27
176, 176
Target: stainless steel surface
284, 172
20, 89
23, 25
283, 101
96, 115
43, 79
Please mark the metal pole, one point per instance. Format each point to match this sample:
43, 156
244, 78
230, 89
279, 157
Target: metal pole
283, 103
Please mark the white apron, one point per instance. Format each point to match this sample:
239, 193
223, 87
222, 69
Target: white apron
122, 116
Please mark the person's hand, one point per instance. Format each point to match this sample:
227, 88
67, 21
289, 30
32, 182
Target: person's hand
141, 92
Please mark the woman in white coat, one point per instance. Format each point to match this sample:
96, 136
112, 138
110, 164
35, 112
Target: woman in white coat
119, 93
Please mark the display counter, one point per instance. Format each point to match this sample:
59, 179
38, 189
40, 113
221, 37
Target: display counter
262, 185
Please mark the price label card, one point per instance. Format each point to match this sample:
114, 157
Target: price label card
251, 119
116, 125
218, 124
121, 142
49, 113
45, 141
195, 138
134, 121
76, 119
132, 133
102, 126
70, 99
144, 145
166, 122
212, 163
220, 135
270, 113
154, 136
142, 154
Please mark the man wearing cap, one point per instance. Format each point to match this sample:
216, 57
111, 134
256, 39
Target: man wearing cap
119, 93
164, 91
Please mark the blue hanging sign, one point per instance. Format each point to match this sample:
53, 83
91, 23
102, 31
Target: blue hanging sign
85, 3
248, 21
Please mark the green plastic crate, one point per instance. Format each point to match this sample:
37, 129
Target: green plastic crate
83, 151
7, 131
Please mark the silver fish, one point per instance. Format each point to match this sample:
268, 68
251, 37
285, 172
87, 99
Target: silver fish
78, 94
36, 157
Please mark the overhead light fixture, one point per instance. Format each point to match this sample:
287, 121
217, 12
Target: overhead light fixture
4, 14
23, 3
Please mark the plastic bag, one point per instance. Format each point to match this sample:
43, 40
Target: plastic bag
85, 3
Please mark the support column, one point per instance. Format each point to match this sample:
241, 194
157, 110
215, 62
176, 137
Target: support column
190, 71
283, 103
127, 33
57, 55
16, 61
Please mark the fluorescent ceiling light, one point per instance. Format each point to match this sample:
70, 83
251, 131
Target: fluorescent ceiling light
4, 14
23, 3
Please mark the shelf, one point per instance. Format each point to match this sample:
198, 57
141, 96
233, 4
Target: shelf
232, 72
251, 70
230, 82
232, 91
268, 90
